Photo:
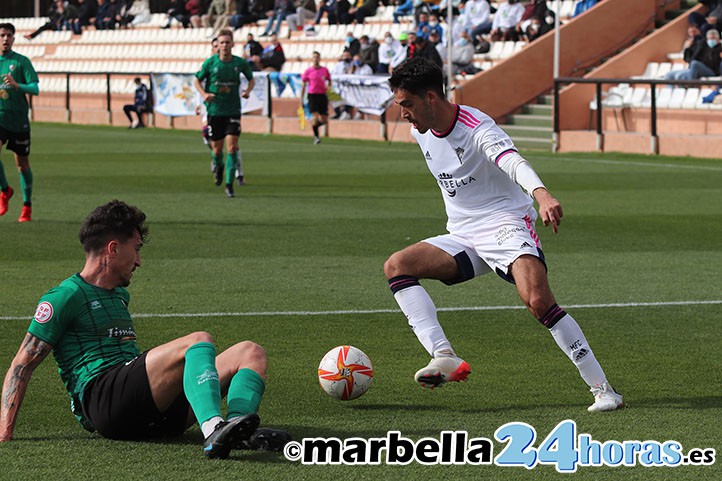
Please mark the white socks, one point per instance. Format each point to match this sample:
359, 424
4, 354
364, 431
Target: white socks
570, 339
420, 310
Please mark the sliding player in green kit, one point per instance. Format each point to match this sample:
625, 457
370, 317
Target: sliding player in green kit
114, 388
221, 75
17, 79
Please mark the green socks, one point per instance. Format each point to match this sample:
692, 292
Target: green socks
231, 162
26, 183
201, 383
245, 393
3, 179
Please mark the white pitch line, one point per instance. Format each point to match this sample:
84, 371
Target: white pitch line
627, 162
390, 311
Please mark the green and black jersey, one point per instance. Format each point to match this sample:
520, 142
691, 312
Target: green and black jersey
90, 330
223, 79
14, 103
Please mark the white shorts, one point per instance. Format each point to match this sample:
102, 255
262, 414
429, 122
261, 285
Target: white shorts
492, 247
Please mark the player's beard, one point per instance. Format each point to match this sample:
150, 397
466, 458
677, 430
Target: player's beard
427, 117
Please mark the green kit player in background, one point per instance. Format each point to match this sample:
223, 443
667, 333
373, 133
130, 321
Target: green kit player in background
114, 388
218, 82
17, 79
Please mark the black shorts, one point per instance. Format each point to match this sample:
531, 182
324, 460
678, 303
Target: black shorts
221, 125
318, 103
18, 142
119, 405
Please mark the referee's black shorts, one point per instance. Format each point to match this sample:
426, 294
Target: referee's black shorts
119, 405
318, 103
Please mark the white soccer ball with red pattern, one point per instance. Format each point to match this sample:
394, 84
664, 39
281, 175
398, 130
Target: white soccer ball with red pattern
345, 373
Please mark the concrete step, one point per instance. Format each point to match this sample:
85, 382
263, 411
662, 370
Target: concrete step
539, 109
531, 120
528, 131
525, 143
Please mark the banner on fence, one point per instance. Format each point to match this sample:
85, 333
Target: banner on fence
175, 95
370, 94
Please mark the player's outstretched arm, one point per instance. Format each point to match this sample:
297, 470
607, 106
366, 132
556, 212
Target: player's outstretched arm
550, 210
31, 353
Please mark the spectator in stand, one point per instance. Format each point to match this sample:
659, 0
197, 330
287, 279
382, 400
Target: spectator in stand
252, 51
329, 8
352, 44
439, 46
247, 11
704, 56
476, 19
711, 19
369, 52
217, 16
404, 9
272, 56
507, 16
359, 67
184, 12
343, 15
426, 50
387, 52
305, 11
87, 9
281, 10
138, 12
367, 9
70, 14
462, 56
53, 23
345, 66
408, 47
536, 15
432, 25
583, 5
421, 23
105, 16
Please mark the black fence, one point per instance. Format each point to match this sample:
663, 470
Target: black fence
599, 82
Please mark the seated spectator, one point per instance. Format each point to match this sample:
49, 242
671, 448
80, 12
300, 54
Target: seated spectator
183, 11
69, 14
329, 8
405, 8
387, 52
217, 16
305, 11
87, 9
247, 11
431, 26
476, 19
351, 44
281, 10
426, 50
343, 15
54, 22
507, 16
345, 66
272, 56
536, 20
366, 9
711, 19
139, 105
426, 6
462, 56
138, 13
105, 16
583, 5
252, 48
408, 47
369, 52
704, 57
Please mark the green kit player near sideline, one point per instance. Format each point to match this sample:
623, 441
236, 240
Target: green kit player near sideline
117, 390
17, 79
218, 82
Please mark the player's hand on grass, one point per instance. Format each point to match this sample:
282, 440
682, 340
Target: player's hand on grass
550, 210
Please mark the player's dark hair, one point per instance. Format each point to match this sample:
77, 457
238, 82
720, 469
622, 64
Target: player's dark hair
316, 53
417, 76
8, 26
114, 220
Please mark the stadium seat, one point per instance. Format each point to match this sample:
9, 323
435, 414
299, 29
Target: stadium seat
664, 69
677, 98
650, 71
691, 98
665, 95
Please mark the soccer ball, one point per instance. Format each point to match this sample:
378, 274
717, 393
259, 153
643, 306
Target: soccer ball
345, 373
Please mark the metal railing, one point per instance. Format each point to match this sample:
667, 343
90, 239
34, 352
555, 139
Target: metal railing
599, 82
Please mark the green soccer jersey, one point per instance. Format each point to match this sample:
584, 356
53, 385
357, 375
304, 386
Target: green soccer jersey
13, 102
223, 79
90, 330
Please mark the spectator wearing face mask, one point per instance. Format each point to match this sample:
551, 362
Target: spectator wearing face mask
425, 29
351, 44
506, 18
387, 52
704, 57
369, 52
345, 66
476, 19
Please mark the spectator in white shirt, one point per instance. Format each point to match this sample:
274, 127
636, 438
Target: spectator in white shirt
507, 16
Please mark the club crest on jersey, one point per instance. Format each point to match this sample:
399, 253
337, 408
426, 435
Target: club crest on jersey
44, 312
95, 305
460, 154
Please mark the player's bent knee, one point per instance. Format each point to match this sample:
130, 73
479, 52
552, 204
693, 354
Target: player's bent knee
200, 336
394, 265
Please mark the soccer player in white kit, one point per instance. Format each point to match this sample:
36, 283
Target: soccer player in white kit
489, 191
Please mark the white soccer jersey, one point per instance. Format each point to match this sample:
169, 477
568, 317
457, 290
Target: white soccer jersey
464, 162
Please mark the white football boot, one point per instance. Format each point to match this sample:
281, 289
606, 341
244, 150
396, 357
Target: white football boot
442, 369
605, 399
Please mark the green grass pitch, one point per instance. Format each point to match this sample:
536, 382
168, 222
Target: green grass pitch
308, 236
